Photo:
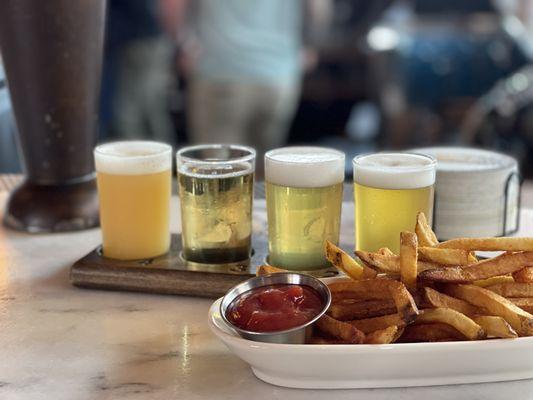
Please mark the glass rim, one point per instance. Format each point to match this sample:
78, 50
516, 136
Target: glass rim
341, 155
510, 162
165, 148
233, 160
431, 165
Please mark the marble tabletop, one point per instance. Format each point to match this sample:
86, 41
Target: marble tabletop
60, 342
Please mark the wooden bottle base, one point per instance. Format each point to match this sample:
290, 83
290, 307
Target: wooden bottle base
36, 208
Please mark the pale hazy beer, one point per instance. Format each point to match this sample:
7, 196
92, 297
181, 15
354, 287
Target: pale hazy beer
389, 190
304, 199
216, 193
134, 187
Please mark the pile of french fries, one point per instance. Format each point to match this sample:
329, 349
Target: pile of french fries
430, 292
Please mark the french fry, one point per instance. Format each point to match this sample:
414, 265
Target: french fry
321, 340
339, 296
426, 236
346, 311
495, 326
489, 244
386, 251
459, 321
343, 262
513, 289
387, 263
390, 263
347, 297
501, 265
382, 289
405, 304
435, 332
366, 289
520, 320
420, 298
340, 330
408, 259
444, 256
525, 275
426, 265
494, 280
525, 303
384, 336
268, 269
348, 301
359, 290
369, 325
372, 305
438, 299
368, 272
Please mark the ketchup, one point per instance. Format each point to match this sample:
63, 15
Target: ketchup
275, 308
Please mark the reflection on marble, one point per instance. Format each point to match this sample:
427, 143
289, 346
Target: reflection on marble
59, 342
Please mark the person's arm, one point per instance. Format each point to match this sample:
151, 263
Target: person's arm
172, 16
318, 17
179, 17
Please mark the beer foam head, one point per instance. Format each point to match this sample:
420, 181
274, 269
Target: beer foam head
304, 166
133, 157
394, 170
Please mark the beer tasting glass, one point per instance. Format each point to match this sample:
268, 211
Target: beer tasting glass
134, 188
304, 198
215, 184
389, 190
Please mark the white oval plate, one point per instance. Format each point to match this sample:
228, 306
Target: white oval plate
373, 366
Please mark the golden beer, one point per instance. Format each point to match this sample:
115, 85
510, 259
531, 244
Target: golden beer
134, 188
389, 190
304, 197
216, 203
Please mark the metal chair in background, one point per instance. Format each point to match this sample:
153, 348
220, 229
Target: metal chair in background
432, 61
502, 117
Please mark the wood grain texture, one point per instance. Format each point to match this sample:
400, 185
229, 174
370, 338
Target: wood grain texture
169, 274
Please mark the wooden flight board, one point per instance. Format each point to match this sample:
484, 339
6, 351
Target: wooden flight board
169, 274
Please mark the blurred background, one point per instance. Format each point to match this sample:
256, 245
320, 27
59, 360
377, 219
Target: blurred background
356, 75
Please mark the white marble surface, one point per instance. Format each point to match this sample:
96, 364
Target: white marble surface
59, 342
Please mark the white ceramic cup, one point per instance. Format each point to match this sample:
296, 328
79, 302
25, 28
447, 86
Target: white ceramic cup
476, 192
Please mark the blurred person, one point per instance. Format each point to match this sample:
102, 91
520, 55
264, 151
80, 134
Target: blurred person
244, 61
137, 70
519, 14
9, 161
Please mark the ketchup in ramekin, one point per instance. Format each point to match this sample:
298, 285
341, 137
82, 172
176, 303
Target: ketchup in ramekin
275, 308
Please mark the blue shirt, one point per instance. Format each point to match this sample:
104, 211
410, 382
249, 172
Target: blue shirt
128, 20
257, 41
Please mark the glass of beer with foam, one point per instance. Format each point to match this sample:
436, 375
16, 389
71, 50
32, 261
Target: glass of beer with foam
304, 199
215, 183
389, 190
134, 188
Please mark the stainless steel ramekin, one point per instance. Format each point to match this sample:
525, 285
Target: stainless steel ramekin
297, 335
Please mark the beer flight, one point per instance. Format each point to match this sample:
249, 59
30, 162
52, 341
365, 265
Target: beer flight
304, 191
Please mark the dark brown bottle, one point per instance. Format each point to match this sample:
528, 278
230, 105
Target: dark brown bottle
52, 54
